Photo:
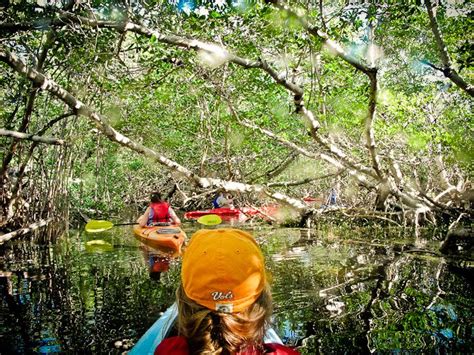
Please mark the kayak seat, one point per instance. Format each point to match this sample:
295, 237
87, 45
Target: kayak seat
168, 231
161, 224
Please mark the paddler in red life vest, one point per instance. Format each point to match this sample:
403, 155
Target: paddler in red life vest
159, 211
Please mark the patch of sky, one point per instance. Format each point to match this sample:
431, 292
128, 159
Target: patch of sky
202, 11
186, 6
110, 13
357, 49
455, 8
240, 4
212, 55
422, 68
203, 8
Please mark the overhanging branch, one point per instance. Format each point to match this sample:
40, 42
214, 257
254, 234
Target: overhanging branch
32, 227
102, 124
448, 69
333, 46
31, 137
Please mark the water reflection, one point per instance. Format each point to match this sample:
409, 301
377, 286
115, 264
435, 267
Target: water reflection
335, 291
88, 300
157, 260
369, 296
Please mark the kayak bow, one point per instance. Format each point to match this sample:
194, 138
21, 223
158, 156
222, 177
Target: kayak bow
162, 328
169, 238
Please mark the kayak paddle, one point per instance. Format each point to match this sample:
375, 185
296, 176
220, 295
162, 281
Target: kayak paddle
210, 220
96, 226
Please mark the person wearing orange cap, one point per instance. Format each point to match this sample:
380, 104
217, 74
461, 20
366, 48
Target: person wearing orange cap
224, 301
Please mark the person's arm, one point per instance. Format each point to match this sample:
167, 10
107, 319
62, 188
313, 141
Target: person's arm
143, 219
225, 201
221, 201
230, 201
173, 216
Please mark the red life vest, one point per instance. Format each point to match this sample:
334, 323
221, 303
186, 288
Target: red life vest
159, 212
179, 346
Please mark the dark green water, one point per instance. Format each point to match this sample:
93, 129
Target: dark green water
335, 292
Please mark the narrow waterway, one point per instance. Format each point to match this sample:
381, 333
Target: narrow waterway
335, 291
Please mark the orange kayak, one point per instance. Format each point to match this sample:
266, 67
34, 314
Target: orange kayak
168, 238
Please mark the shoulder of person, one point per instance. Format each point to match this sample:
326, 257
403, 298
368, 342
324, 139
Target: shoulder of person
279, 349
270, 349
177, 345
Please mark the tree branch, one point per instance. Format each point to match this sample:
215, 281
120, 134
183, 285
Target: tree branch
334, 46
224, 55
304, 181
31, 137
102, 124
277, 170
369, 126
216, 50
354, 169
369, 71
6, 237
448, 69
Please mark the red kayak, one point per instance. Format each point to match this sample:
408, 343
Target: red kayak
222, 212
241, 214
267, 212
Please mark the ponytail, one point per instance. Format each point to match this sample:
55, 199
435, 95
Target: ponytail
211, 332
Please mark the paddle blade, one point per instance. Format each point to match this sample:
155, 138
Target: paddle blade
98, 246
210, 220
96, 226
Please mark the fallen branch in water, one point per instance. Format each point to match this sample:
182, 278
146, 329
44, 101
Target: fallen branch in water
6, 237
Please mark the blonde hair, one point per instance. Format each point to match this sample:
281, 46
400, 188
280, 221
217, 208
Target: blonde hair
212, 332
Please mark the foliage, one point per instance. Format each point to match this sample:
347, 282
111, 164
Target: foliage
177, 102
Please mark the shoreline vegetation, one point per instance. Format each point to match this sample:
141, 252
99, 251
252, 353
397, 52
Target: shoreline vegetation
104, 102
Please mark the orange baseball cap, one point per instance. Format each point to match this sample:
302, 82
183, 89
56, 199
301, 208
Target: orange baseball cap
223, 270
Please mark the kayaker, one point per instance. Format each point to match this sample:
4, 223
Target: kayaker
224, 300
159, 211
223, 201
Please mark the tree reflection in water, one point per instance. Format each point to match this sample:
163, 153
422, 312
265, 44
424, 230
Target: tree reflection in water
355, 294
335, 291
